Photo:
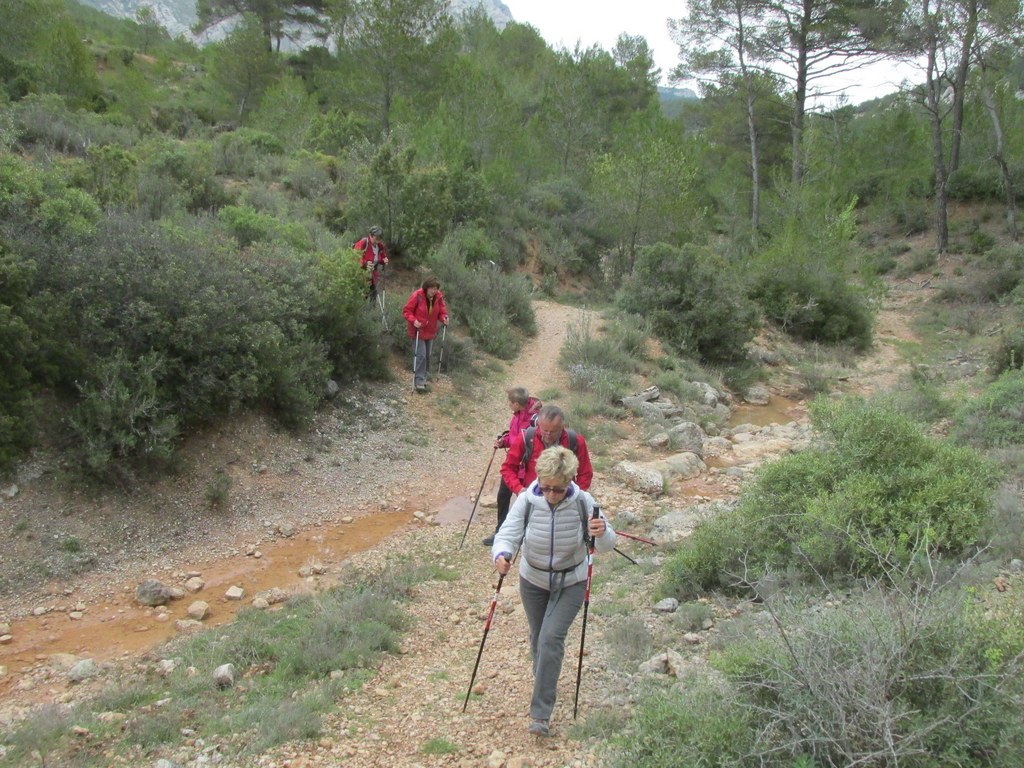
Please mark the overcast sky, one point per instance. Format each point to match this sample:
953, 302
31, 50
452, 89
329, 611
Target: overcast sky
564, 22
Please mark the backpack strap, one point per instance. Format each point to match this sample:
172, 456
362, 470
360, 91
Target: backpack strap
531, 431
580, 507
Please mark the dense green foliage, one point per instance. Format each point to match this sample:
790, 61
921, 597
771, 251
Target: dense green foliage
801, 279
995, 419
471, 146
877, 495
692, 300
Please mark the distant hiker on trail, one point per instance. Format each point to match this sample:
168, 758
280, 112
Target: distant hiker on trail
518, 469
551, 521
524, 411
373, 256
422, 312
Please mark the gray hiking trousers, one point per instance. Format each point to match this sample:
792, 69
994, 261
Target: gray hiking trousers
421, 356
550, 615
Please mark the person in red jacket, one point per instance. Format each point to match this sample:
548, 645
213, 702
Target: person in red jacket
373, 255
518, 474
424, 310
524, 412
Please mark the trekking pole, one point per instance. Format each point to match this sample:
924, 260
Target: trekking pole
586, 608
636, 538
477, 499
415, 353
444, 334
487, 628
620, 552
381, 296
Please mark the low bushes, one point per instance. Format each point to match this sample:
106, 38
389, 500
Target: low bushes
495, 307
603, 365
152, 329
802, 278
880, 492
995, 419
690, 300
920, 676
17, 347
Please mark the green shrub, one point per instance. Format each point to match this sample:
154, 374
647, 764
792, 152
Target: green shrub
149, 321
492, 332
47, 121
342, 317
307, 176
17, 348
246, 225
112, 175
190, 168
218, 490
920, 669
802, 278
295, 371
597, 364
981, 241
815, 308
701, 723
238, 153
122, 416
691, 302
428, 202
630, 333
1008, 353
878, 494
70, 212
967, 183
922, 400
494, 307
333, 130
996, 417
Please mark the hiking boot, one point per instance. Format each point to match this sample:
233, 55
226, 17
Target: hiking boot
488, 540
421, 389
539, 727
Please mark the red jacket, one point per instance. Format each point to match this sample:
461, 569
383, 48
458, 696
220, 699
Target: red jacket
429, 314
521, 421
366, 260
518, 477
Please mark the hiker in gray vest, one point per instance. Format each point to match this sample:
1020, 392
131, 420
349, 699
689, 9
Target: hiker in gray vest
551, 521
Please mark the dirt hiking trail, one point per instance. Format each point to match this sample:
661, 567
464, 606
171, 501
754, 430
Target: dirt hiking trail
353, 498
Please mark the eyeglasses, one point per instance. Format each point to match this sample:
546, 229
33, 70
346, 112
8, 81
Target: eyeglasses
554, 489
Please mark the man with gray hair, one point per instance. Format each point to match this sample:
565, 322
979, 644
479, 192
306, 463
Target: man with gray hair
520, 466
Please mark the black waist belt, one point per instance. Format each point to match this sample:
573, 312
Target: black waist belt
570, 569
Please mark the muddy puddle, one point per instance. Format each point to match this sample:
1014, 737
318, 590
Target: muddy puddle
779, 410
120, 626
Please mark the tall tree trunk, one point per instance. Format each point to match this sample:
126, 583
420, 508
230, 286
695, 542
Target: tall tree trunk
755, 161
1000, 154
386, 121
634, 234
960, 83
800, 94
755, 171
933, 101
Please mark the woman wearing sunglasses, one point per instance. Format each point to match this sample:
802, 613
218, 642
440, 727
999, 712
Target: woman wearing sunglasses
552, 522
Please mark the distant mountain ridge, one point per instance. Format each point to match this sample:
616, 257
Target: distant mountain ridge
179, 16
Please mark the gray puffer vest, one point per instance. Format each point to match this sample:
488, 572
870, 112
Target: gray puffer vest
554, 540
